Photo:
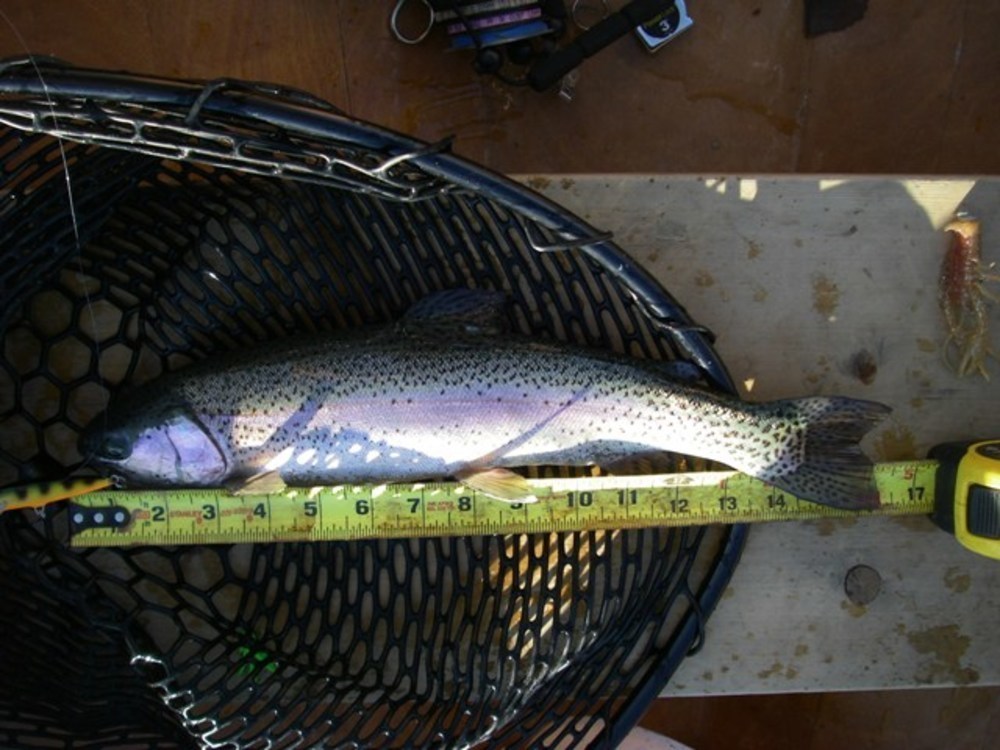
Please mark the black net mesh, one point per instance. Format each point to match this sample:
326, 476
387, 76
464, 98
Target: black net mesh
159, 250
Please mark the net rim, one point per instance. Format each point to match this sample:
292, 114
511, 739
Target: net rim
305, 115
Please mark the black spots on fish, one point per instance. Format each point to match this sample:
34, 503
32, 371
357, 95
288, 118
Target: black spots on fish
611, 394
821, 459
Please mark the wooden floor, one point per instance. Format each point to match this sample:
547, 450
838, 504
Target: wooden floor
957, 719
911, 89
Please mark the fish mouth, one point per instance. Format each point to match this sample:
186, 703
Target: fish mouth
104, 447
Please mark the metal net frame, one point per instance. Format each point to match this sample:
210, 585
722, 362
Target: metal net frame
201, 217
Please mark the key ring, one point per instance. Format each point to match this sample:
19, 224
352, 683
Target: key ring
394, 23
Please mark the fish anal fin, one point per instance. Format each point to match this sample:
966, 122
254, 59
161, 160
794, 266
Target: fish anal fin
265, 483
501, 484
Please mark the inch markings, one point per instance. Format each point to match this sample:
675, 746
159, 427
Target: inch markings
452, 509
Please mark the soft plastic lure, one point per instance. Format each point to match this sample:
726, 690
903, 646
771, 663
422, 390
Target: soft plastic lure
965, 301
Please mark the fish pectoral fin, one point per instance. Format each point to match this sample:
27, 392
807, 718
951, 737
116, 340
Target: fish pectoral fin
501, 484
265, 483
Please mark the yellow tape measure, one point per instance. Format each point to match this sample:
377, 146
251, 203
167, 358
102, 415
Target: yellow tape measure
968, 488
451, 509
960, 488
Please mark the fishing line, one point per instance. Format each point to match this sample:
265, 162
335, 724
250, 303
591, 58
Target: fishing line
87, 300
55, 119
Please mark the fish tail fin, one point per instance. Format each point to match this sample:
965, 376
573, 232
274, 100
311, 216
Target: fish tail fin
827, 464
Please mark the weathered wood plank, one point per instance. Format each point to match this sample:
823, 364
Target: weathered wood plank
744, 90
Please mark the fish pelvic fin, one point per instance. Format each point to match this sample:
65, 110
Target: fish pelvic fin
500, 484
264, 483
825, 463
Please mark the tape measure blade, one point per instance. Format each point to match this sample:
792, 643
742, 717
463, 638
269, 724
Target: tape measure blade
451, 509
906, 487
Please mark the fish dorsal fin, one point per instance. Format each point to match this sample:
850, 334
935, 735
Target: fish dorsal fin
458, 311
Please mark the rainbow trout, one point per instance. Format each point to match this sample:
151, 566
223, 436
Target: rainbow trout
440, 394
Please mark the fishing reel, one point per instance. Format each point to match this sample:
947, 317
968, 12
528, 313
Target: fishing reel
524, 34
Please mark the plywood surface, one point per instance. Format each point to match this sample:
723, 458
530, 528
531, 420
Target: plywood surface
797, 276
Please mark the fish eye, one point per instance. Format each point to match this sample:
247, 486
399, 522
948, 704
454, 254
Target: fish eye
115, 446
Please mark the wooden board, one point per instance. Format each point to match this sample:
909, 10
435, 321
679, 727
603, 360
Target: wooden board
796, 276
906, 88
